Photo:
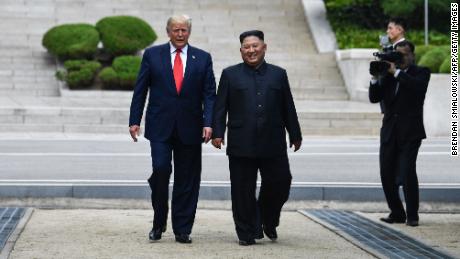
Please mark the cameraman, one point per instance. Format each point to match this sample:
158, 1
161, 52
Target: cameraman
402, 90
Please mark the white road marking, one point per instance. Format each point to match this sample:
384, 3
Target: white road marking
208, 154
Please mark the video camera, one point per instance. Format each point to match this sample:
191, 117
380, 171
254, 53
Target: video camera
380, 67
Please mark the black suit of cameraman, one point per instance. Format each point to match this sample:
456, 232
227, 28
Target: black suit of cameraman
402, 92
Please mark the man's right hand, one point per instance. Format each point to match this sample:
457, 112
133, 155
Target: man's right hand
135, 131
218, 142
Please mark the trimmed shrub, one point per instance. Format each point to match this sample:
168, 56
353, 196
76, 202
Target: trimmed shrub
80, 78
422, 50
109, 77
123, 72
127, 68
433, 59
122, 35
79, 73
445, 66
75, 65
71, 41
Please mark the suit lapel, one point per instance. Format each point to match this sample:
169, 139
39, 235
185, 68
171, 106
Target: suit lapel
167, 67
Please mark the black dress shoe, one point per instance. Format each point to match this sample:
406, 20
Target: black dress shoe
155, 234
183, 238
246, 242
259, 235
412, 223
391, 220
270, 232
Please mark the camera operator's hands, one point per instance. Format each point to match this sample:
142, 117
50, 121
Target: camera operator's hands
374, 69
392, 68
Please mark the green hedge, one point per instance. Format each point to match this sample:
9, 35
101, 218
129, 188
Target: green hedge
123, 72
72, 41
374, 14
123, 35
358, 23
420, 51
434, 58
353, 37
445, 66
79, 73
109, 77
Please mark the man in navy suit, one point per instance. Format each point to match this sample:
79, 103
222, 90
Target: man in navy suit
182, 89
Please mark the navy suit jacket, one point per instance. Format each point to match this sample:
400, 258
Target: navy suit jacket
403, 114
187, 112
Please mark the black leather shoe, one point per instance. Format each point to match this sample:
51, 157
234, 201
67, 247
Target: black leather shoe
391, 220
246, 242
270, 232
412, 223
259, 235
155, 234
183, 238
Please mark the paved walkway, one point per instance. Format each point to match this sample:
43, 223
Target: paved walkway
123, 234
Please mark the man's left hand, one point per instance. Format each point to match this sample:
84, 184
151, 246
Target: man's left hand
392, 68
207, 133
296, 144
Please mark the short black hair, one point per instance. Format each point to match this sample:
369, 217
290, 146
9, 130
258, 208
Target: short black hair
406, 43
399, 21
257, 33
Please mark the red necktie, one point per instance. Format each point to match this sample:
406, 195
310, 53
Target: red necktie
178, 71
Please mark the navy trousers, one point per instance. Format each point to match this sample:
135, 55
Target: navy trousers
187, 177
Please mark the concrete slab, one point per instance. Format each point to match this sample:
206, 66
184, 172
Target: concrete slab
123, 234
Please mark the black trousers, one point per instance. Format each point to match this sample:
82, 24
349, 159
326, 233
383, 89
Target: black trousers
250, 213
187, 177
398, 168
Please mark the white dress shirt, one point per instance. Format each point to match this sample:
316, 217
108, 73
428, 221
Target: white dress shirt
183, 55
398, 41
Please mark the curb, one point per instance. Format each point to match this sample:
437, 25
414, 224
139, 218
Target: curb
213, 190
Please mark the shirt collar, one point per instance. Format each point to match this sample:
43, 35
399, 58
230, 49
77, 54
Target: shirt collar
398, 41
172, 49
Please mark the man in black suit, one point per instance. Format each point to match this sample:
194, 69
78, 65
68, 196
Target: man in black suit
402, 90
257, 98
